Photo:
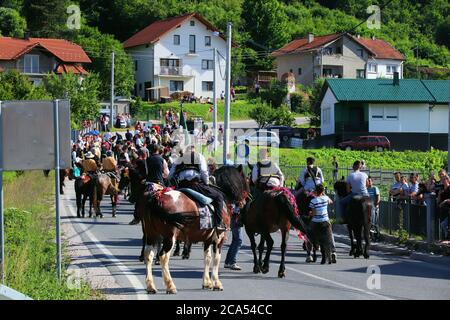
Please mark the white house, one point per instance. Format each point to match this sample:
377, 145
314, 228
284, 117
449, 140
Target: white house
412, 113
339, 55
176, 54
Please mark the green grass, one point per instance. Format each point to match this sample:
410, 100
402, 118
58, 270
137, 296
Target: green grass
240, 110
30, 250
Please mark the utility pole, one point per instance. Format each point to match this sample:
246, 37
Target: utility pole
111, 121
215, 99
226, 143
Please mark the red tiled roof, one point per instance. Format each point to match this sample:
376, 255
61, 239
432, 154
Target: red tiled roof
300, 45
381, 49
156, 30
65, 51
70, 68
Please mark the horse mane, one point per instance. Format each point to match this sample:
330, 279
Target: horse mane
232, 182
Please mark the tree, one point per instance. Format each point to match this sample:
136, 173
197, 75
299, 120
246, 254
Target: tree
15, 86
99, 47
11, 23
276, 94
83, 94
136, 107
443, 33
284, 117
263, 115
46, 18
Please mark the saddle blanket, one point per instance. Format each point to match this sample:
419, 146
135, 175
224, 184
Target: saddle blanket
206, 219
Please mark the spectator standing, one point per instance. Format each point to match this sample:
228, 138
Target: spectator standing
399, 188
444, 207
374, 194
413, 189
335, 166
236, 241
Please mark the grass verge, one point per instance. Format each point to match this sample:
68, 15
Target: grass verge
30, 250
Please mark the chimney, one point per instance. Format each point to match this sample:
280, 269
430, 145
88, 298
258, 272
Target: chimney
310, 37
396, 79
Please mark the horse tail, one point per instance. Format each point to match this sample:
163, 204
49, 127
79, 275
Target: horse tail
178, 220
291, 215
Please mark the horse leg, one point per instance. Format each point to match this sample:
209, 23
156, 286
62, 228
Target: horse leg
144, 241
79, 198
176, 253
149, 253
217, 251
269, 241
164, 258
261, 251
187, 250
207, 283
85, 196
366, 240
358, 236
114, 205
251, 236
285, 237
352, 245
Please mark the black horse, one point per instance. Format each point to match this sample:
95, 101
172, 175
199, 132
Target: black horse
84, 188
358, 220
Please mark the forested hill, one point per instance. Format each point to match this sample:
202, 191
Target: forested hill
415, 27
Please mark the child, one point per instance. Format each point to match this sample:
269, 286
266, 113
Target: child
374, 194
320, 224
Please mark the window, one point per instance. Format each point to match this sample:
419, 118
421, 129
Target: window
339, 50
135, 65
192, 44
377, 113
372, 67
176, 85
360, 74
170, 62
328, 50
192, 23
360, 52
391, 69
176, 39
391, 113
299, 71
207, 64
207, 85
207, 41
327, 72
31, 63
140, 87
326, 116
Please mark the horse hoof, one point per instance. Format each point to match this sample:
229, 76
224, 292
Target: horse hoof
141, 258
209, 287
176, 254
171, 291
256, 270
281, 274
366, 256
152, 291
309, 259
333, 257
265, 270
157, 263
217, 289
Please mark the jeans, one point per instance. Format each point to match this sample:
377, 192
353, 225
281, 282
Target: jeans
236, 242
444, 228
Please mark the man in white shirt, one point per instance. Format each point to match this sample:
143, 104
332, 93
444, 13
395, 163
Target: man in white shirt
311, 176
356, 186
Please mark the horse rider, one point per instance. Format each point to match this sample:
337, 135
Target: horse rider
356, 186
191, 171
310, 177
142, 169
109, 164
89, 164
266, 174
158, 169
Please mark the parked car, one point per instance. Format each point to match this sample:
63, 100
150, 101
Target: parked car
284, 132
377, 143
260, 138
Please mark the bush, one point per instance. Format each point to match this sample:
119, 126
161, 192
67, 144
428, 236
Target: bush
284, 117
136, 107
300, 103
263, 114
276, 94
240, 89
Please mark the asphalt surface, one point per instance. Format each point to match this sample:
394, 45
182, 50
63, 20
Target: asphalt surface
114, 245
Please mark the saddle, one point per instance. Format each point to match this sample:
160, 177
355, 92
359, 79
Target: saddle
196, 196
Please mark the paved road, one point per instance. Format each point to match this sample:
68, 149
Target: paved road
251, 124
116, 245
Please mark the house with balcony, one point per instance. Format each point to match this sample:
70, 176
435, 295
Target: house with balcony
176, 55
338, 56
411, 113
37, 57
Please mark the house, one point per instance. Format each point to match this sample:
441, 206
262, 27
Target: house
36, 57
413, 114
338, 56
177, 54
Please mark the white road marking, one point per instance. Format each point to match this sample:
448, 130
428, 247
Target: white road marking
133, 279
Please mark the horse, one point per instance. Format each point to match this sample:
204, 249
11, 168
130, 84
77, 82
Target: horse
84, 188
63, 173
106, 184
358, 220
275, 209
170, 212
186, 253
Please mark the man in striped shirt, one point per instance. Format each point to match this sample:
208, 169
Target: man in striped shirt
320, 223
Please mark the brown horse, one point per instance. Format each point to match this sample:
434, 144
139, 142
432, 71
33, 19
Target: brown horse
172, 214
275, 209
107, 184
